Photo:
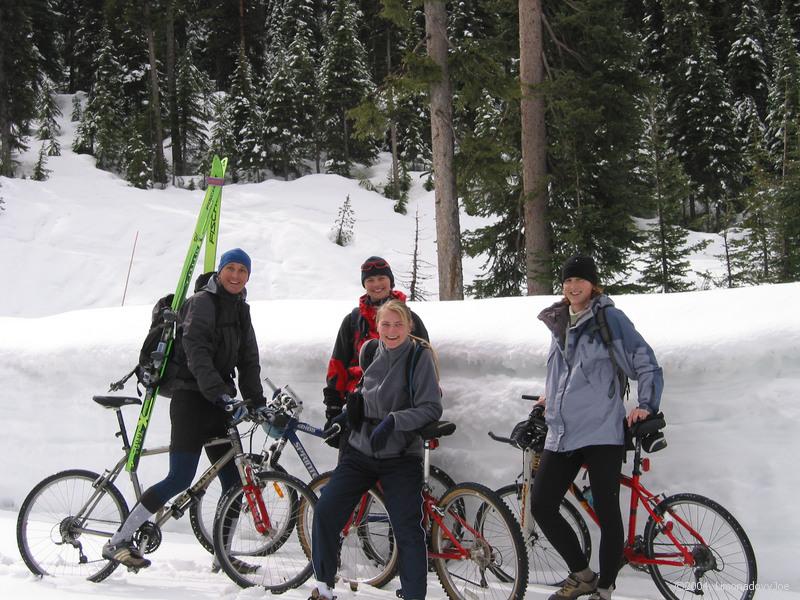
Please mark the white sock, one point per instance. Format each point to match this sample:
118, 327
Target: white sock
138, 515
324, 590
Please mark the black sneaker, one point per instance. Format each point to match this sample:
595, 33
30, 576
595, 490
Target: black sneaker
125, 553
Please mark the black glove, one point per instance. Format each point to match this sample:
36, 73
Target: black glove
355, 410
225, 402
331, 412
381, 433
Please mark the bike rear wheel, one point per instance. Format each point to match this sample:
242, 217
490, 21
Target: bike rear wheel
545, 565
275, 559
724, 562
64, 523
481, 523
368, 554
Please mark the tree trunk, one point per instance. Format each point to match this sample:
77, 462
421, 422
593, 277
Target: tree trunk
6, 169
175, 129
393, 123
159, 170
448, 231
534, 150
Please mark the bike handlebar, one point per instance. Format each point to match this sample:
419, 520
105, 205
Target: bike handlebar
499, 438
529, 397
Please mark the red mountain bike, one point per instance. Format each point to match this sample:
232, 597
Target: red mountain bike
690, 545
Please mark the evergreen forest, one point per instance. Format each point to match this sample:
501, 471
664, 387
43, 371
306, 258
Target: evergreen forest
661, 117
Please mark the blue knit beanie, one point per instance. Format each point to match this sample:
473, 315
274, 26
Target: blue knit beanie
237, 255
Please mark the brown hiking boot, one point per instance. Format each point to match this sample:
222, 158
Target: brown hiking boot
573, 586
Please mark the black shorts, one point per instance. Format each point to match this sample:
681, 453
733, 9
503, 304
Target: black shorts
195, 421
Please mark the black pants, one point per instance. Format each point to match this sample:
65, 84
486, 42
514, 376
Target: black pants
195, 421
556, 471
401, 479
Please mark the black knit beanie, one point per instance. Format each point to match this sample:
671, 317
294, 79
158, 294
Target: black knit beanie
580, 266
375, 265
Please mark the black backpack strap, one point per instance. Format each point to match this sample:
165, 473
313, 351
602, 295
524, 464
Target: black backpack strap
367, 354
605, 335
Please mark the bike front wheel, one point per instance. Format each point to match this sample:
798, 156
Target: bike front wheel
65, 521
256, 541
545, 565
477, 546
722, 560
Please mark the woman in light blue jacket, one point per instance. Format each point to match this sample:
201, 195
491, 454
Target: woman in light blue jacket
584, 411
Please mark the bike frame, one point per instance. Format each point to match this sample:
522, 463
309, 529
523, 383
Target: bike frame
640, 495
178, 506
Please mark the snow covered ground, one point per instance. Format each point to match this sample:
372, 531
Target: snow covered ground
730, 359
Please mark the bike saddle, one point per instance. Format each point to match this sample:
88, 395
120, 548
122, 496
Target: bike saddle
437, 429
115, 401
650, 425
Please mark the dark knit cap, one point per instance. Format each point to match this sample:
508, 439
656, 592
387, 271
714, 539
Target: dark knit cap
375, 265
237, 255
580, 266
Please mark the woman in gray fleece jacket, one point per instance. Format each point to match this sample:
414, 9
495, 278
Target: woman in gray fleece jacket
384, 447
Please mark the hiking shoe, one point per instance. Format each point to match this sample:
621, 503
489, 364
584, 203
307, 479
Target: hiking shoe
573, 586
242, 567
125, 553
602, 594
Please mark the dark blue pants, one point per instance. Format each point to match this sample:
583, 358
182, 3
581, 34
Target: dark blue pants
195, 421
556, 471
401, 480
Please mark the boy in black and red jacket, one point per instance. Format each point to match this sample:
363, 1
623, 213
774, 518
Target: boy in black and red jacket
357, 327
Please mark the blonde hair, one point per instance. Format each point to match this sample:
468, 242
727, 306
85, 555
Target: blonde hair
398, 307
402, 310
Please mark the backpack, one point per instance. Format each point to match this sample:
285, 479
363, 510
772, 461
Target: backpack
605, 336
370, 347
163, 327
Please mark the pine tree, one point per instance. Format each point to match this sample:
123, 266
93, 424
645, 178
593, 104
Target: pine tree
783, 144
47, 113
701, 111
247, 122
77, 111
345, 82
304, 68
281, 127
223, 140
593, 131
746, 64
137, 159
192, 87
19, 82
40, 170
101, 129
342, 232
664, 249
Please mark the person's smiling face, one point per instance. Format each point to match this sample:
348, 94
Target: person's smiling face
378, 287
579, 292
392, 329
233, 277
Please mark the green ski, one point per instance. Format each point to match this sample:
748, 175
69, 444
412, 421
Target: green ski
206, 229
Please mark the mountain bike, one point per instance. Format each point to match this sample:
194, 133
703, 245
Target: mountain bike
690, 545
474, 542
67, 517
367, 545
